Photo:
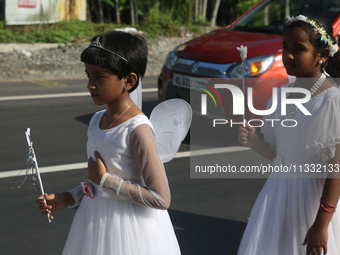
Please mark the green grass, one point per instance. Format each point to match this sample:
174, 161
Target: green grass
75, 31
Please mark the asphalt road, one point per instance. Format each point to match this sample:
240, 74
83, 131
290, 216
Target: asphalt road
209, 215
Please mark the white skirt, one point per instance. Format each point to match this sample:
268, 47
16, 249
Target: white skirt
283, 213
118, 227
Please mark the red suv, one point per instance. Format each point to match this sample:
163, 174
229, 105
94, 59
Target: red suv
214, 55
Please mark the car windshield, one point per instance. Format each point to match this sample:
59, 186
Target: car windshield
269, 16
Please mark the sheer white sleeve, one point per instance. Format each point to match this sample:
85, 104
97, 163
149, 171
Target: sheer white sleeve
267, 130
155, 193
323, 134
77, 193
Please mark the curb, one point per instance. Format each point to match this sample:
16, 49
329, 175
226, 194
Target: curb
9, 47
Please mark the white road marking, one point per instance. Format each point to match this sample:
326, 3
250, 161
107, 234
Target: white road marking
47, 169
75, 166
78, 94
193, 153
10, 98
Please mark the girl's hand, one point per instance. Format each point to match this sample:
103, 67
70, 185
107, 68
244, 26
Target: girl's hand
96, 170
247, 135
54, 202
316, 240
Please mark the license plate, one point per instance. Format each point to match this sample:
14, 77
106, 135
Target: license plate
188, 81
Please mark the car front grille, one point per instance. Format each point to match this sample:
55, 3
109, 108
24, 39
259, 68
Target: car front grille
200, 68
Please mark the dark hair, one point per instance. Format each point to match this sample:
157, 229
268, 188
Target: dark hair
332, 64
131, 47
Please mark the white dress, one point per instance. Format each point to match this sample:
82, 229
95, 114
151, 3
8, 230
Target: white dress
286, 207
128, 223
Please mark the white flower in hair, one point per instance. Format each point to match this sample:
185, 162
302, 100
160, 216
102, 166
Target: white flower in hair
333, 49
289, 19
243, 50
302, 18
318, 28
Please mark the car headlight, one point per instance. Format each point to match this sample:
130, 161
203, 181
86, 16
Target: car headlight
172, 56
253, 66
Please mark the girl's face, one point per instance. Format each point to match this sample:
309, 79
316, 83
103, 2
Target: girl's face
105, 87
299, 56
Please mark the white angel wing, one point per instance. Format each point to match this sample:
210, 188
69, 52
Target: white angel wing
171, 121
136, 95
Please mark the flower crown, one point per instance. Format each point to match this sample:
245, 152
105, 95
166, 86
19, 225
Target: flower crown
333, 47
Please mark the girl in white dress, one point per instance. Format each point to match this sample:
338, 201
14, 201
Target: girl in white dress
296, 213
123, 204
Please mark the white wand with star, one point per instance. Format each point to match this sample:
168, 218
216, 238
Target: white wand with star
243, 68
32, 164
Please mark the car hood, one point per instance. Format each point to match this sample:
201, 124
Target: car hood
219, 46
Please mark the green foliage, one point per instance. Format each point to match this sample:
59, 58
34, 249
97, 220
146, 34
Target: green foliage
63, 32
123, 4
109, 2
75, 31
243, 6
183, 11
6, 36
158, 23
157, 18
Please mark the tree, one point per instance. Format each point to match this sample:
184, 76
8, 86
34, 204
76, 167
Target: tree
134, 12
101, 16
116, 6
117, 13
200, 10
197, 3
214, 15
181, 11
204, 11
